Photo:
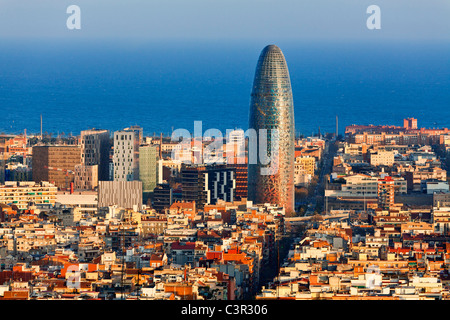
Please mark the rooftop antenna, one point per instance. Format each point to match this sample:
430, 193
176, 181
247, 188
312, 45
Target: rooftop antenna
41, 126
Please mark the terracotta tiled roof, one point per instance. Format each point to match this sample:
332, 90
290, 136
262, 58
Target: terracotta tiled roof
183, 246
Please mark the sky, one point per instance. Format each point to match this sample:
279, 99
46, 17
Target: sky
40, 57
329, 20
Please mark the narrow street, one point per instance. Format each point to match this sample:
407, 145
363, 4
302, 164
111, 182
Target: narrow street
316, 198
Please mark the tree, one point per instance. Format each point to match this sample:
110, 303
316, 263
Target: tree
340, 181
301, 212
301, 193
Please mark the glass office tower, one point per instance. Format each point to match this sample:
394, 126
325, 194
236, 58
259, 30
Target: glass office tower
272, 107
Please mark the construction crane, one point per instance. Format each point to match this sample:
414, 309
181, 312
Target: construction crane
63, 170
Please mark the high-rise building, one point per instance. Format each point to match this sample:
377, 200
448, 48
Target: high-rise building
126, 194
2, 171
235, 147
95, 148
386, 193
221, 184
237, 159
148, 168
410, 123
126, 155
241, 180
272, 107
206, 184
86, 177
305, 165
304, 169
162, 197
139, 130
193, 184
55, 164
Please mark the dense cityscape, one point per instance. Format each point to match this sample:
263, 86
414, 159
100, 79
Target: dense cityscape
106, 215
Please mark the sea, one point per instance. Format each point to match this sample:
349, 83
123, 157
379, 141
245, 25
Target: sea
163, 85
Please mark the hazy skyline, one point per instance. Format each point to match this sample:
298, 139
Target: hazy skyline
267, 20
165, 54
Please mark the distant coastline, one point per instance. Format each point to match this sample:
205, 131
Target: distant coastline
165, 86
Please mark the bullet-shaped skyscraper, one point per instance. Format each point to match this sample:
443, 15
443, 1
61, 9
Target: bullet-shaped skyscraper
272, 107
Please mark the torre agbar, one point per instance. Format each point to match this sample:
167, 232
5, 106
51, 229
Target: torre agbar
272, 107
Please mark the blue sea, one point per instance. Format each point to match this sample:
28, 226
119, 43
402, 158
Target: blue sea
166, 85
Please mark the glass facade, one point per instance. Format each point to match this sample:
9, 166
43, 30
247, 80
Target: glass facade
272, 107
148, 168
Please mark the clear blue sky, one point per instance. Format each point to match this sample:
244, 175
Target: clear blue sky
227, 19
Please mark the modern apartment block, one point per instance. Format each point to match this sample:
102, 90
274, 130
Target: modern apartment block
410, 123
386, 193
86, 177
126, 155
382, 158
126, 194
162, 197
23, 193
236, 158
304, 168
139, 131
207, 184
419, 174
235, 146
305, 164
441, 199
95, 148
148, 168
221, 184
241, 180
55, 164
363, 186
